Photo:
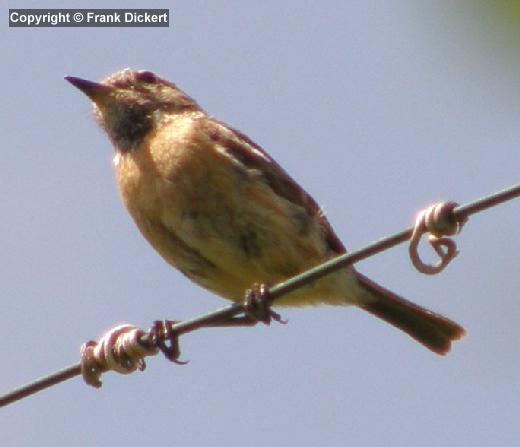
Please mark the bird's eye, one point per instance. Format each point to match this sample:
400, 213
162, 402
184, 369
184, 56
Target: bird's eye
147, 77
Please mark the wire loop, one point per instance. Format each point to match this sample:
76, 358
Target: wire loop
437, 220
120, 350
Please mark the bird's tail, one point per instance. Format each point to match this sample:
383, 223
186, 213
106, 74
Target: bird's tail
432, 330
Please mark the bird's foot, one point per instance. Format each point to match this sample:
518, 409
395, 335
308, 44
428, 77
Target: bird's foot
257, 305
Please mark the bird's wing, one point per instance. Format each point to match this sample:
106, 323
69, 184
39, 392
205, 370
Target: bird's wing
252, 156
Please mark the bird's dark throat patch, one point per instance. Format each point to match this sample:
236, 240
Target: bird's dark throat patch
128, 126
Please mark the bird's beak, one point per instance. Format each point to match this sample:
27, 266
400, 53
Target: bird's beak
94, 90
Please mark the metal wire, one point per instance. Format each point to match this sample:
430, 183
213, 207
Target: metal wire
459, 213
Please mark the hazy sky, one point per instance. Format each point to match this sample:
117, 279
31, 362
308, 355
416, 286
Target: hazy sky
378, 109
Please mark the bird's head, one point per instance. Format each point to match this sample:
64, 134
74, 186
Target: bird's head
130, 103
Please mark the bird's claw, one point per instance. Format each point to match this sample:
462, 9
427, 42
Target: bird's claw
257, 305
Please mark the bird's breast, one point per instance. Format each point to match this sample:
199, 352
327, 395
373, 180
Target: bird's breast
212, 218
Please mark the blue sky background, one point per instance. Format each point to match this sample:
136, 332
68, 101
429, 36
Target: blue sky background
378, 109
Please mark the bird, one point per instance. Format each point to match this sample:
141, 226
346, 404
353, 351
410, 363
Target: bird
221, 210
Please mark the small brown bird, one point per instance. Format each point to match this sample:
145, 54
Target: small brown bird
217, 207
